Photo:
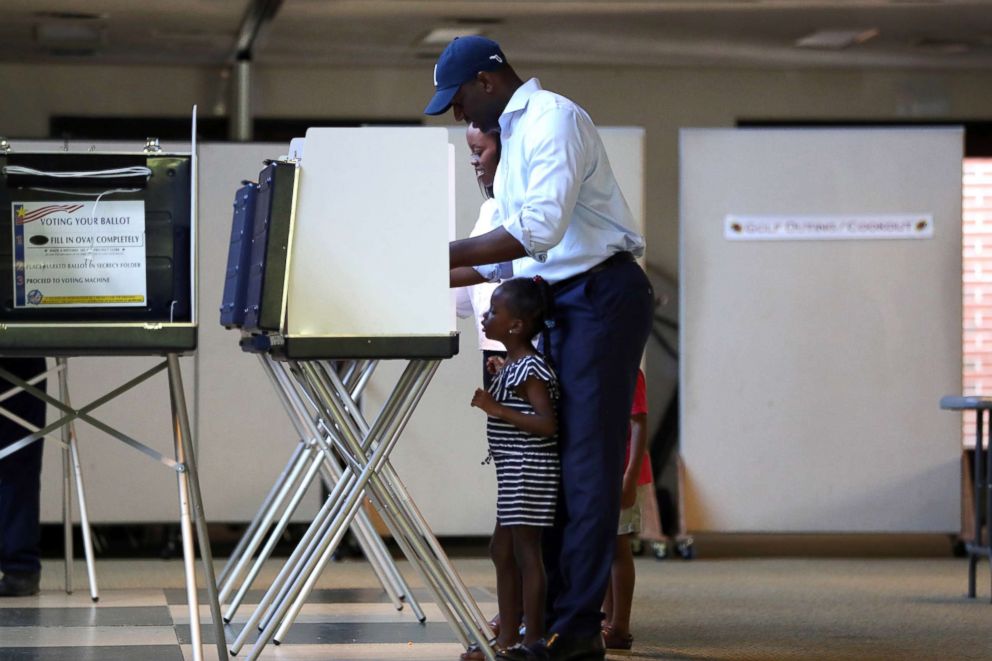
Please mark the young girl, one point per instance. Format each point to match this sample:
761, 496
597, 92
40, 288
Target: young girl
521, 428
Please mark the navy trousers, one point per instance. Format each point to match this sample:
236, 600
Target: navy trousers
20, 474
602, 324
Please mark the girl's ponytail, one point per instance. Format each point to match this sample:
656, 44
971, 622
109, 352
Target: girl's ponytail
547, 317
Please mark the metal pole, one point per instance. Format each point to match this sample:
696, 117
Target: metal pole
409, 539
241, 121
368, 539
252, 530
189, 479
398, 498
276, 533
316, 527
66, 497
186, 528
322, 553
69, 430
299, 461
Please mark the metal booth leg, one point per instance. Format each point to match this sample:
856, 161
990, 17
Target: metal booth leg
389, 490
422, 549
345, 505
979, 477
258, 528
304, 473
191, 500
368, 538
67, 507
372, 546
987, 546
70, 449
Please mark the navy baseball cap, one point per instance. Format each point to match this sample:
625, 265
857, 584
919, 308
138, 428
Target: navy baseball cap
461, 60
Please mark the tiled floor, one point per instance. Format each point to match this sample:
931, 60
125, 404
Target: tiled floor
153, 624
734, 609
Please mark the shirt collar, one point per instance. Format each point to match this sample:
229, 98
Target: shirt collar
520, 97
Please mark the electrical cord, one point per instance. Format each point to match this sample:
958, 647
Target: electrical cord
115, 173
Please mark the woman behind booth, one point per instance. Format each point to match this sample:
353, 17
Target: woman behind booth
473, 301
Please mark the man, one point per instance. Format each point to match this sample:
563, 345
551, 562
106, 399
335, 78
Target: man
565, 220
20, 485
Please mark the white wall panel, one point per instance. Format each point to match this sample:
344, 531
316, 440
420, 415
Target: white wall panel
812, 370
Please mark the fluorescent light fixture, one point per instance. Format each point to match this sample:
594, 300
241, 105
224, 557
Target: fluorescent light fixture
443, 36
836, 39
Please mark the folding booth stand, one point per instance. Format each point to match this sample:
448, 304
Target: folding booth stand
312, 458
71, 471
101, 262
326, 276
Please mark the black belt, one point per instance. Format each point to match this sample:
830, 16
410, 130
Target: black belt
613, 260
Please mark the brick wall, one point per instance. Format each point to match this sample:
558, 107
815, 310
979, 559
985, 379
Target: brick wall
977, 263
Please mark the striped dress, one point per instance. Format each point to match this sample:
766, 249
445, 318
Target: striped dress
527, 467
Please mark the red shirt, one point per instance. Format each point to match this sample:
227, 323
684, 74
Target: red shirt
640, 407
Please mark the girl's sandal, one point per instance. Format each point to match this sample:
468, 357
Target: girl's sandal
473, 653
614, 641
494, 625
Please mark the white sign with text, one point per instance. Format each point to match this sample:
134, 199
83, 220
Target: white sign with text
737, 227
79, 254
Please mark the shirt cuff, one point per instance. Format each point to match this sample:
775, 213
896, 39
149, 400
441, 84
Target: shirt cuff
496, 272
518, 231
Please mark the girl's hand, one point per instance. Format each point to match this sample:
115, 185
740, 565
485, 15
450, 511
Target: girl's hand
494, 364
483, 400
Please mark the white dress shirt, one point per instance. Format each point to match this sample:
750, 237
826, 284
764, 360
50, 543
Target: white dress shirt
474, 301
556, 191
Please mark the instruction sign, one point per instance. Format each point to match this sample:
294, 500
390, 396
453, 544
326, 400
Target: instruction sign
737, 227
79, 254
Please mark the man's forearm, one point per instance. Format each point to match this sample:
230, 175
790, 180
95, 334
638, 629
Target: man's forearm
464, 276
489, 248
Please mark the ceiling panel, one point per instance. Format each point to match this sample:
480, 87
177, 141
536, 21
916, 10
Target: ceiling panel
727, 33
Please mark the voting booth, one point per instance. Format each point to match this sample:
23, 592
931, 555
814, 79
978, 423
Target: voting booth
339, 269
100, 260
99, 256
337, 275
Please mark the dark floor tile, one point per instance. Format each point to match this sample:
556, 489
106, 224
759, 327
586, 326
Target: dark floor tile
306, 633
177, 596
84, 617
109, 653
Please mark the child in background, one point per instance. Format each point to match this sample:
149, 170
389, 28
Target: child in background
521, 428
620, 591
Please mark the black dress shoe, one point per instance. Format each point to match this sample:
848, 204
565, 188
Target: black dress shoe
535, 652
19, 584
576, 648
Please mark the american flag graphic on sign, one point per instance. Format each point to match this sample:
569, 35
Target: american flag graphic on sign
21, 216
